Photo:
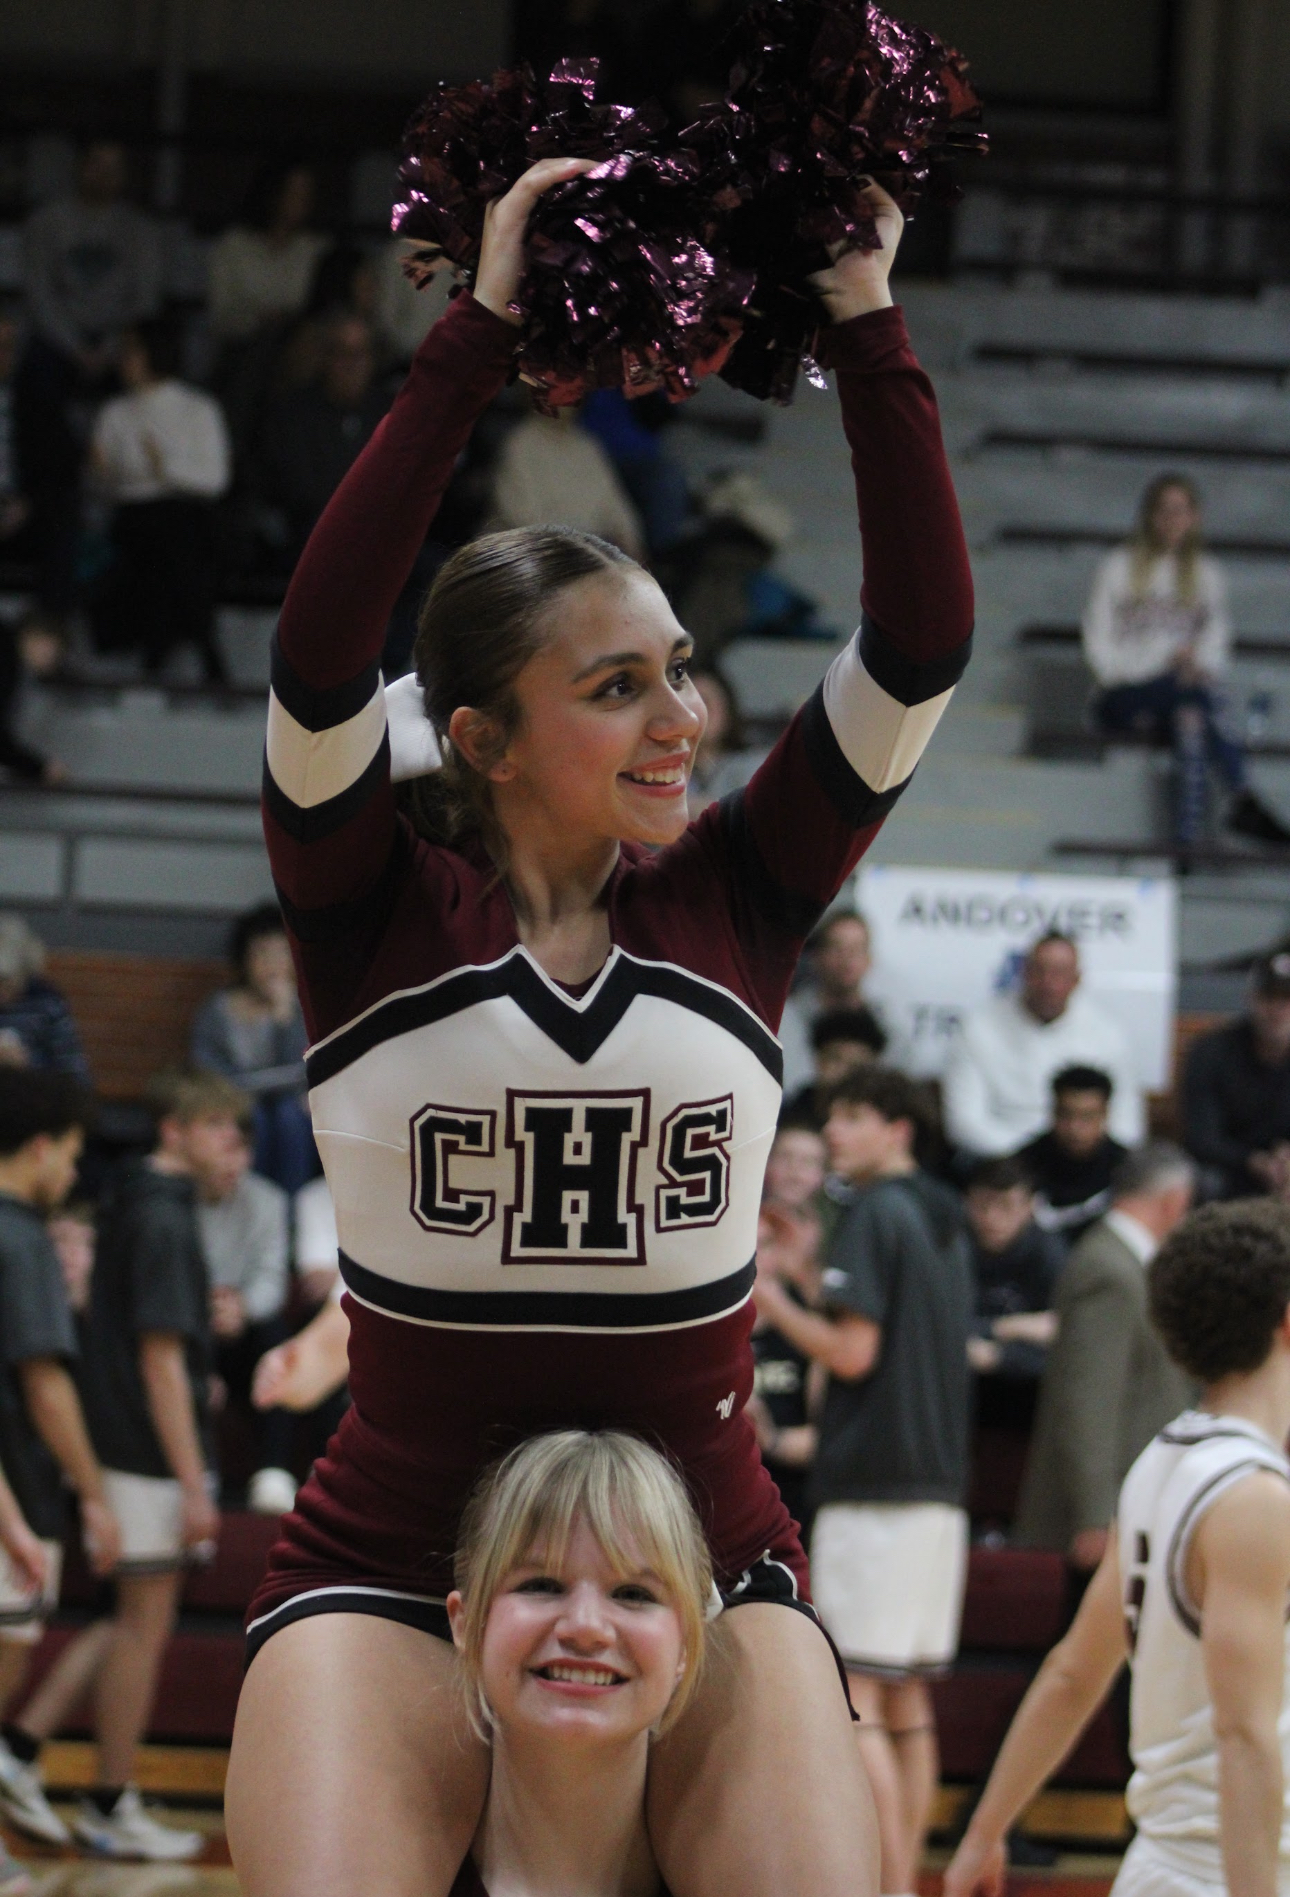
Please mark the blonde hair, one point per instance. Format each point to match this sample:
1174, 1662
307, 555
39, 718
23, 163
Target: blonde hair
1145, 547
633, 1502
186, 1097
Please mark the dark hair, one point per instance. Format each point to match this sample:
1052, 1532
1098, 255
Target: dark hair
263, 194
332, 285
890, 1093
480, 624
162, 342
1083, 1080
34, 1100
999, 1175
252, 926
797, 1120
848, 1024
1219, 1286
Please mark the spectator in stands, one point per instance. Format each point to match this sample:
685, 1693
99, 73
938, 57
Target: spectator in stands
783, 1405
889, 1550
160, 453
262, 268
44, 1441
147, 1368
998, 1080
1236, 1091
839, 957
15, 507
242, 1220
311, 435
1109, 1384
36, 1025
91, 268
631, 432
723, 761
1157, 637
552, 473
32, 649
1015, 1269
73, 1232
841, 1040
254, 1033
796, 1166
1073, 1163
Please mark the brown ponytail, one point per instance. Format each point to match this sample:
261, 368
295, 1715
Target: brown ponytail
480, 624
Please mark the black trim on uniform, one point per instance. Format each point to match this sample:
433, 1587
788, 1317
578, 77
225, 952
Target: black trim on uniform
561, 1310
308, 823
788, 909
910, 681
318, 709
579, 1031
855, 803
429, 1616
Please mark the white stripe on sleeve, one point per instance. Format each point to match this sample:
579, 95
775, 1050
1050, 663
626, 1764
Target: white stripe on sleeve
310, 767
881, 739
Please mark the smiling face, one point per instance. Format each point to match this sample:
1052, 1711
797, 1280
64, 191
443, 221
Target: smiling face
574, 1649
609, 719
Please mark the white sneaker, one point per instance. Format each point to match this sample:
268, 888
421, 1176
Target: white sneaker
128, 1832
272, 1492
23, 1801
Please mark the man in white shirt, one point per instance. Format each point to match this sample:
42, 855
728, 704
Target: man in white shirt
161, 454
840, 960
998, 1081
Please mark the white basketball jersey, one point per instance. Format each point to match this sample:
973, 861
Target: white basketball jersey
1173, 1794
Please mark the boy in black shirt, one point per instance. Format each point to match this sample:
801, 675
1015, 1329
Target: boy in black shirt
147, 1364
43, 1436
889, 1548
1071, 1164
1015, 1266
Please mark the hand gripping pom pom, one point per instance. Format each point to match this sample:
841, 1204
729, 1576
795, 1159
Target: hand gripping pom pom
684, 254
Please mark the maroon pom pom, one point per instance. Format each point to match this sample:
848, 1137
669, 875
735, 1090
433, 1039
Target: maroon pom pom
678, 256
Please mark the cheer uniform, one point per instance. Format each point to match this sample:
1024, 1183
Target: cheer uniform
1173, 1793
547, 1202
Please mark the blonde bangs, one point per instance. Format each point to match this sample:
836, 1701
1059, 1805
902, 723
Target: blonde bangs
636, 1508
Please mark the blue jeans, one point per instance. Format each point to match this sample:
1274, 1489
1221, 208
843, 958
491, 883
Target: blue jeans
283, 1141
1188, 718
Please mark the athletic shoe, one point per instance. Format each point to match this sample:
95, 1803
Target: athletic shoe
128, 1832
1250, 817
272, 1492
23, 1801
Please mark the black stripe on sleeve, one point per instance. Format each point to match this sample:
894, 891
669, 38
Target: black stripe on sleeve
907, 680
855, 803
308, 824
315, 709
788, 909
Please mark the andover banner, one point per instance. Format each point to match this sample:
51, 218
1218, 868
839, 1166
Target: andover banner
944, 940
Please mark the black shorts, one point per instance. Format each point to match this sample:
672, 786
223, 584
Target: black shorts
767, 1580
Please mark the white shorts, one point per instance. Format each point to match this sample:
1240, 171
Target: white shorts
888, 1580
22, 1613
150, 1514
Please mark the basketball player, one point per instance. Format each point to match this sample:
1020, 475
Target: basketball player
544, 1083
1192, 1592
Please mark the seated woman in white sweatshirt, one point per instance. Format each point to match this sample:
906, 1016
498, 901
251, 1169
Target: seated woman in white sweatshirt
1157, 638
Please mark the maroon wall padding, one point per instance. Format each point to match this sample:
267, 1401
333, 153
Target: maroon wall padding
973, 1708
1016, 1601
201, 1676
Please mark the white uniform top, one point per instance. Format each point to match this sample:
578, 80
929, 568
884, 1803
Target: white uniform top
1173, 1794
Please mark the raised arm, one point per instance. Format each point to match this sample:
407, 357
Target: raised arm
329, 813
812, 809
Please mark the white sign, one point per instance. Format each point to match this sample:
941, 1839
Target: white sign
945, 940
